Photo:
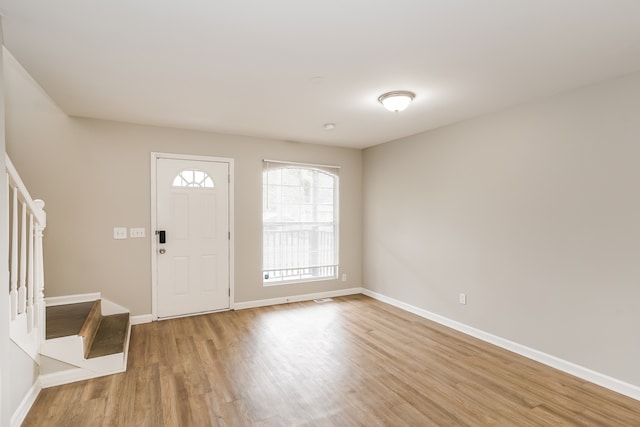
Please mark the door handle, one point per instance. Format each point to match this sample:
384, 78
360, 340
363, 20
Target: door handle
162, 251
162, 236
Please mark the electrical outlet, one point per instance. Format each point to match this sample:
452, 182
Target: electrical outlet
463, 298
119, 233
344, 277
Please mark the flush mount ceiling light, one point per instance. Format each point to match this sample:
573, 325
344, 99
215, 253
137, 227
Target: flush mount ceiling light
397, 100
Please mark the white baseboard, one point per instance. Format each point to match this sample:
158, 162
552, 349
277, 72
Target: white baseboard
72, 299
142, 318
25, 405
606, 381
109, 307
148, 318
296, 298
71, 376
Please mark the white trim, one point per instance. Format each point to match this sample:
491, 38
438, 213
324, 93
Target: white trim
296, 298
109, 307
305, 280
198, 313
232, 240
73, 375
335, 224
152, 233
154, 221
284, 162
178, 156
25, 405
140, 319
86, 368
587, 374
72, 299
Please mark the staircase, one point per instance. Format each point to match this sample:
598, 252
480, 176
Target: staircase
27, 221
90, 333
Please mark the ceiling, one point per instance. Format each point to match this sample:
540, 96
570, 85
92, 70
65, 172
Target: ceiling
283, 68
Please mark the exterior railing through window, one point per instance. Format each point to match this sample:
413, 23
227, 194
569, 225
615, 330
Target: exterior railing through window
302, 252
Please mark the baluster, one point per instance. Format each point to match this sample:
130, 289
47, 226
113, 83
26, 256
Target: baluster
14, 256
30, 284
8, 201
39, 272
22, 289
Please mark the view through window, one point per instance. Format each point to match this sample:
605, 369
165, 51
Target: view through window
300, 223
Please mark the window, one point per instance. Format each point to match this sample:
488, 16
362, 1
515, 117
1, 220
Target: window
193, 178
300, 223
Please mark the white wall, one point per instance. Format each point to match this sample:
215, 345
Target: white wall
5, 385
534, 212
94, 175
18, 372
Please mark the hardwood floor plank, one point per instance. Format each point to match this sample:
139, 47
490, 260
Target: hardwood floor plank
352, 362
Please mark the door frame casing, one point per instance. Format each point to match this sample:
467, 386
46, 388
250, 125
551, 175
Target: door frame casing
154, 222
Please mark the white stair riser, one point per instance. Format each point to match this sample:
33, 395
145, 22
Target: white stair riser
70, 349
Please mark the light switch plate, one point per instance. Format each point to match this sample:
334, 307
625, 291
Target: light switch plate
119, 233
136, 233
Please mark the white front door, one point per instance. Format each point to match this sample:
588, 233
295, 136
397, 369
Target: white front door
192, 237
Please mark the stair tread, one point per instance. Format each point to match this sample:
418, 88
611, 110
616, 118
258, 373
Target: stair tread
66, 320
111, 336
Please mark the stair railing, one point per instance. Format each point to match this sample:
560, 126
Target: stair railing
27, 221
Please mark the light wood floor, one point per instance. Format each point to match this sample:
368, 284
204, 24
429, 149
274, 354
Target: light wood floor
351, 362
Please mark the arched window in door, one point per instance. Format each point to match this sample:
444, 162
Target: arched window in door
193, 178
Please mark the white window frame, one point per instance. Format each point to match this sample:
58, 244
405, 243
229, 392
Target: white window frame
301, 273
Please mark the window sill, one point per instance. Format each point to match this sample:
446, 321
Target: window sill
298, 281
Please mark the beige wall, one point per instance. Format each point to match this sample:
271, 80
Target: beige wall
94, 175
534, 212
5, 385
18, 372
